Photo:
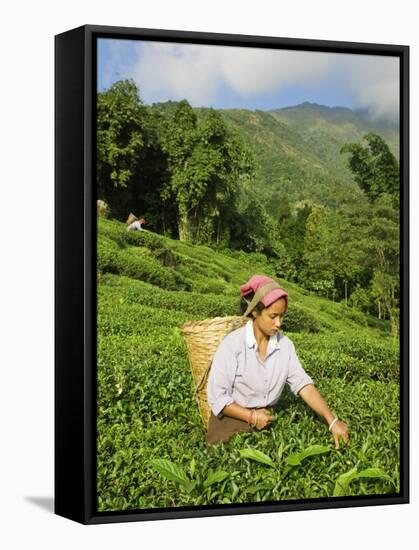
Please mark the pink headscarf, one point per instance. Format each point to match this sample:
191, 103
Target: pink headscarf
253, 285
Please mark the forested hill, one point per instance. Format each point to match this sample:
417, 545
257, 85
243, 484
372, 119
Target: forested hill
325, 129
286, 163
297, 149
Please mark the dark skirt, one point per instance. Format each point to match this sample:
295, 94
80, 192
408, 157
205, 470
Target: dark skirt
221, 429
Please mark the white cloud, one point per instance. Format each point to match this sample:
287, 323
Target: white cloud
171, 71
253, 71
197, 72
374, 82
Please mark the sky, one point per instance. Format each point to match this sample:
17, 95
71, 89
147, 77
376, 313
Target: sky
251, 78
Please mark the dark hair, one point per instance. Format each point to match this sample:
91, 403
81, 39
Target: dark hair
245, 302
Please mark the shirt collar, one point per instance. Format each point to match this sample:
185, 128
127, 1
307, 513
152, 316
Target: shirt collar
273, 343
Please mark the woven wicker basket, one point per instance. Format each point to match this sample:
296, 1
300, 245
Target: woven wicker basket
131, 218
202, 340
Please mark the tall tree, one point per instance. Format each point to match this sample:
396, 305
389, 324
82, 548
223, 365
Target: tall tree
292, 233
120, 142
206, 162
385, 243
319, 271
178, 138
377, 172
375, 168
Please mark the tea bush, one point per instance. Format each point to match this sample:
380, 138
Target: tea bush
151, 450
298, 320
112, 230
198, 306
349, 356
137, 264
145, 238
107, 251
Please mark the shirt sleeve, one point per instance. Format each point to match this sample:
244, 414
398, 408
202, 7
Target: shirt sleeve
221, 379
297, 377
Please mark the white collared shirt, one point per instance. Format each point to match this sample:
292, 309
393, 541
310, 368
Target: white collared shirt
238, 374
135, 225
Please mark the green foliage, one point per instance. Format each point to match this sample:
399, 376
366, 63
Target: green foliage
107, 250
145, 238
297, 458
324, 130
375, 168
299, 320
254, 454
291, 461
350, 356
215, 477
194, 173
172, 472
137, 264
192, 303
343, 481
253, 229
151, 445
206, 161
361, 299
120, 141
284, 162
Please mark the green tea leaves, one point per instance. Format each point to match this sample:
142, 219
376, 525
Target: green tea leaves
215, 477
373, 472
343, 481
192, 467
296, 458
258, 456
171, 471
292, 460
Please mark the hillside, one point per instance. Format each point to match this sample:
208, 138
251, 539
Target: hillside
325, 129
148, 286
297, 149
210, 278
287, 164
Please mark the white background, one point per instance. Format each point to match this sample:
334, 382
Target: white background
27, 280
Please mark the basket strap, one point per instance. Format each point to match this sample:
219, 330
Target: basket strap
203, 380
259, 294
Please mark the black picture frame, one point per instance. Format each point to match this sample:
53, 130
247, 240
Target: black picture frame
75, 279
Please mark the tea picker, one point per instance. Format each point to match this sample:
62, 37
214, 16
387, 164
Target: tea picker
242, 364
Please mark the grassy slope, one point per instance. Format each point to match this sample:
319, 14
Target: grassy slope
146, 408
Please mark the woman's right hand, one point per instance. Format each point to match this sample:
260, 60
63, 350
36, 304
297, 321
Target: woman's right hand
264, 418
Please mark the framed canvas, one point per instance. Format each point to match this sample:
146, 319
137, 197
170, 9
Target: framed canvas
232, 315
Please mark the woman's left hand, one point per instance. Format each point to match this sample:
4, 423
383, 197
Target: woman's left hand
340, 431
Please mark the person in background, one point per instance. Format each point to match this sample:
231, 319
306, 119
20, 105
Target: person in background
252, 366
133, 223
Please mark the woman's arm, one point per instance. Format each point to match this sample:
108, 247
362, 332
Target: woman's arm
314, 399
261, 417
237, 411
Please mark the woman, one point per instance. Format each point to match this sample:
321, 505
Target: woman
133, 223
252, 366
